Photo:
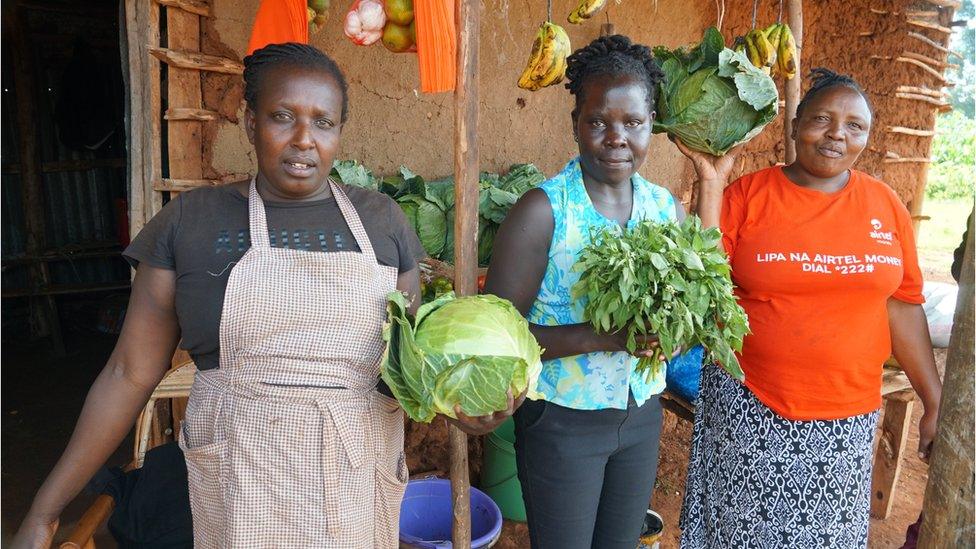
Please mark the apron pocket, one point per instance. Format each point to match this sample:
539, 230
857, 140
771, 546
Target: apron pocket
204, 466
390, 486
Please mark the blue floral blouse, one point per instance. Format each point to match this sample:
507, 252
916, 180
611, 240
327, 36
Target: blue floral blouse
595, 380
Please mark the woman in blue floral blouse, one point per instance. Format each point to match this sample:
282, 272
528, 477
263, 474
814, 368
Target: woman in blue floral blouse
587, 452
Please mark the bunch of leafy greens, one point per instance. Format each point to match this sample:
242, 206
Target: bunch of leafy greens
469, 351
713, 98
429, 205
666, 279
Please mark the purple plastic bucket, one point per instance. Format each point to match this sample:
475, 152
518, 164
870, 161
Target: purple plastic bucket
426, 517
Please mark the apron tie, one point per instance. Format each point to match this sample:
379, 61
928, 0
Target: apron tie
352, 439
340, 418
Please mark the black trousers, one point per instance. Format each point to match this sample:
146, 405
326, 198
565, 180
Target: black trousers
587, 475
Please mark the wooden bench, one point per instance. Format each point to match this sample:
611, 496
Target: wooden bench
899, 399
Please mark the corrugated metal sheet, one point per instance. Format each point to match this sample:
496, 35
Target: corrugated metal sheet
9, 151
12, 214
88, 271
79, 206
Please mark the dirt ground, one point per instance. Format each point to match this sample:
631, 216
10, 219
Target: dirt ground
42, 396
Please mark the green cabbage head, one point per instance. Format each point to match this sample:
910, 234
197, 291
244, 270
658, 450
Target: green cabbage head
469, 351
713, 98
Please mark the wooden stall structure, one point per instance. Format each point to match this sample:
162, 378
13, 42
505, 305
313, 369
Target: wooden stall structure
170, 120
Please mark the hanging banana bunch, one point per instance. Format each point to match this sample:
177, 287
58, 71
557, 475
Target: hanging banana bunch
547, 62
772, 49
585, 10
786, 54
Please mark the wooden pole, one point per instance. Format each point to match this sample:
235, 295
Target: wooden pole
794, 10
144, 106
43, 307
948, 506
465, 229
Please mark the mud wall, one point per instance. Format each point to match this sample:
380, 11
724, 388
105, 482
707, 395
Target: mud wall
834, 37
391, 123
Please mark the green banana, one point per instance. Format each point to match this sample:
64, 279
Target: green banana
585, 10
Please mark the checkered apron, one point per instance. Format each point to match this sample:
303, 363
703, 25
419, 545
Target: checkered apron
288, 444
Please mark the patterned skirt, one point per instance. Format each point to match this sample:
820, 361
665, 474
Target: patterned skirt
757, 480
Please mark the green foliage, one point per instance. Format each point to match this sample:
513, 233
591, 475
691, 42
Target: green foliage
666, 279
953, 148
963, 40
712, 97
469, 351
429, 205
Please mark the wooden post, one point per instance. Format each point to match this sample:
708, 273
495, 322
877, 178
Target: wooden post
184, 136
794, 10
948, 506
43, 308
465, 229
888, 457
144, 111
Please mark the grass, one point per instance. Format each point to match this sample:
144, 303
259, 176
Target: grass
939, 236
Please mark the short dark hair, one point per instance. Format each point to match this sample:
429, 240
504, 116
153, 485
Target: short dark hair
824, 79
289, 54
613, 55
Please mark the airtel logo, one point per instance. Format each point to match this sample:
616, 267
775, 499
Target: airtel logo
881, 237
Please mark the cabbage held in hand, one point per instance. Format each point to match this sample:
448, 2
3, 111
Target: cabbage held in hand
469, 351
713, 98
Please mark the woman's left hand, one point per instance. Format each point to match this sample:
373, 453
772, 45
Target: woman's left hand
926, 434
482, 425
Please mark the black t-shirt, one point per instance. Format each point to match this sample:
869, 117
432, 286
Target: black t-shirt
202, 233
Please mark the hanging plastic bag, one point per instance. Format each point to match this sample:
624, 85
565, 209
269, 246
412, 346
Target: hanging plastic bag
436, 44
684, 373
277, 22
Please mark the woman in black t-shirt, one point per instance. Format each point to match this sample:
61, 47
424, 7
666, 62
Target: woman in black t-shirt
277, 288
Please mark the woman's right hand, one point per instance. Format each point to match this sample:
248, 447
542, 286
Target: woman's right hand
646, 345
711, 170
35, 533
482, 425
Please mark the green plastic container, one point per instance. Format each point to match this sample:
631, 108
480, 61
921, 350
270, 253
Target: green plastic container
499, 474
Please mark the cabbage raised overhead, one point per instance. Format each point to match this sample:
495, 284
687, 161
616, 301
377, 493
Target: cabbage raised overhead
467, 351
713, 98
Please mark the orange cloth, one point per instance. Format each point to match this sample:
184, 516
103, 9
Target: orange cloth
814, 272
277, 22
436, 44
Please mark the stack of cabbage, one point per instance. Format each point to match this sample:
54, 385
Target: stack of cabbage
713, 98
429, 205
469, 351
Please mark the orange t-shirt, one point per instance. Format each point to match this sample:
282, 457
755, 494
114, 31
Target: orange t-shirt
814, 272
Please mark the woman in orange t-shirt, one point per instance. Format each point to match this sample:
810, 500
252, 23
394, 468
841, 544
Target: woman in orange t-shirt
824, 260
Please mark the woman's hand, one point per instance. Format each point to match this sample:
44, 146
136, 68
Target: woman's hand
712, 170
482, 425
926, 433
646, 345
35, 533
713, 176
